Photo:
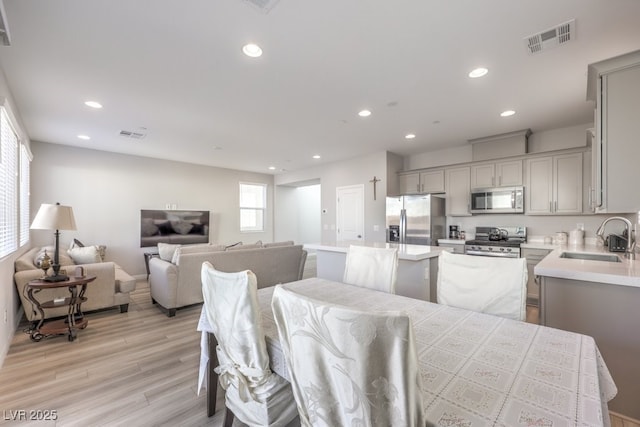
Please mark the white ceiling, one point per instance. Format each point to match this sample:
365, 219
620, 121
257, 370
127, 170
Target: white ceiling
176, 68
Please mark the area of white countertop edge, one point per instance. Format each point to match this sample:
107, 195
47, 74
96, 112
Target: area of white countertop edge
625, 273
405, 252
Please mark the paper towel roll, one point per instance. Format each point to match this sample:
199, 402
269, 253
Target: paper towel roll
576, 237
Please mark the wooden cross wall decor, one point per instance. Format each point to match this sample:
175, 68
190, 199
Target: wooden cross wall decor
374, 181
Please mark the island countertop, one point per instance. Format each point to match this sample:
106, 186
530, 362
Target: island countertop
405, 252
626, 272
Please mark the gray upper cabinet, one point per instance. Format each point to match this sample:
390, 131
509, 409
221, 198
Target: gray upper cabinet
431, 181
554, 185
458, 191
500, 174
615, 86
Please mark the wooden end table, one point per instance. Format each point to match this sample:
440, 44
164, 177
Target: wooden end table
74, 320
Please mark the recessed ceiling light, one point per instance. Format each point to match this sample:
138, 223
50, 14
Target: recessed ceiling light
316, 156
272, 168
93, 104
364, 113
478, 72
252, 50
85, 137
507, 113
410, 136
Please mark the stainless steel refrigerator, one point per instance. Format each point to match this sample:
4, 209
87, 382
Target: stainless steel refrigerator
416, 220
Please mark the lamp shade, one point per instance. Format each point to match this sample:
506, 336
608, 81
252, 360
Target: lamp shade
54, 217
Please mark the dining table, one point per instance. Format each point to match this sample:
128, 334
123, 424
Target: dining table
477, 369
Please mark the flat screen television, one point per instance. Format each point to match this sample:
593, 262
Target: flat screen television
173, 226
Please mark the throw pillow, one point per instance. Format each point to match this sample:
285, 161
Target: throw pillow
194, 249
278, 244
255, 245
181, 227
166, 251
148, 228
85, 255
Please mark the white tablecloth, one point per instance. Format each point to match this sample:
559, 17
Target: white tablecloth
479, 369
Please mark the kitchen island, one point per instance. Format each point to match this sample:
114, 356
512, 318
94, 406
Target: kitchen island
417, 265
599, 298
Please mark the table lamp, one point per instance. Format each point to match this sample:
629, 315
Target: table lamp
54, 217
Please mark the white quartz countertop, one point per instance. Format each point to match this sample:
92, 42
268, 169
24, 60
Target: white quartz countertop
626, 272
451, 241
405, 252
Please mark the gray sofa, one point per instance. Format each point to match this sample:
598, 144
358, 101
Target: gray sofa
110, 289
178, 285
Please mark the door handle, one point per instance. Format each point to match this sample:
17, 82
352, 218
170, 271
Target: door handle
359, 236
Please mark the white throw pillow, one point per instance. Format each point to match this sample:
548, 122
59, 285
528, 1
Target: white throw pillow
85, 255
166, 251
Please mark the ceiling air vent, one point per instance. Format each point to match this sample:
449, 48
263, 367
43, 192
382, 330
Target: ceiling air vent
132, 134
263, 5
551, 38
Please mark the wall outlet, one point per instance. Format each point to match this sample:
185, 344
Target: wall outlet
376, 228
580, 226
167, 206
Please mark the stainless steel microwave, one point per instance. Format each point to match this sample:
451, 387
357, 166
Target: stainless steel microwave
497, 200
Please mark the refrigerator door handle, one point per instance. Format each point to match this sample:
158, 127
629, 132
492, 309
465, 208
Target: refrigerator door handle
403, 225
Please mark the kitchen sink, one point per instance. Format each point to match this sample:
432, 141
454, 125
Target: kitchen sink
590, 257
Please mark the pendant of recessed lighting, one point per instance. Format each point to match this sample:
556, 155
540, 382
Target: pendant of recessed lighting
252, 50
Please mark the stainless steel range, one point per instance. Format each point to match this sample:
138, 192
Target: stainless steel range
497, 241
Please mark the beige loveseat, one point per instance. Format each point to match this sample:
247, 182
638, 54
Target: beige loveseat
111, 287
175, 285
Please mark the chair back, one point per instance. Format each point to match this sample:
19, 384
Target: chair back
490, 285
374, 268
254, 394
349, 367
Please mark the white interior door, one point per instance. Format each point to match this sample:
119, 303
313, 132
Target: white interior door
350, 213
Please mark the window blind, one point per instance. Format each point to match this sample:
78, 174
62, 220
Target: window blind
25, 192
8, 186
253, 202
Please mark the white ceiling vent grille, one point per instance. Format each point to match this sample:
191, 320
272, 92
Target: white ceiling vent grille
551, 38
132, 134
263, 5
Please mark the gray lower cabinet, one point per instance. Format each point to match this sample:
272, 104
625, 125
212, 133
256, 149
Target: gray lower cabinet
609, 314
533, 256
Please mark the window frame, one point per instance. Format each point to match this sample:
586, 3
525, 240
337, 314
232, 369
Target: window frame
260, 210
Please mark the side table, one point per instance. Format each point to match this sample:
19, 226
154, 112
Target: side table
147, 257
74, 320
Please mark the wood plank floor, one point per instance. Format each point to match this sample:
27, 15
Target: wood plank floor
138, 368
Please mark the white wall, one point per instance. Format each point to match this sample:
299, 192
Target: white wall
309, 213
348, 172
107, 192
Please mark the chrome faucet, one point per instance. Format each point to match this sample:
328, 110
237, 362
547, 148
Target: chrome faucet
631, 241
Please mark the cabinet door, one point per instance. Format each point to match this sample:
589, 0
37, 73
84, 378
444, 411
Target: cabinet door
509, 173
458, 189
620, 106
539, 190
410, 183
567, 172
483, 176
432, 181
533, 256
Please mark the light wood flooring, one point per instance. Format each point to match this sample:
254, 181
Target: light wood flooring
138, 368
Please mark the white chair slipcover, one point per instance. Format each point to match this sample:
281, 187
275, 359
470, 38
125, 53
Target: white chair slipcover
349, 367
374, 268
490, 285
254, 394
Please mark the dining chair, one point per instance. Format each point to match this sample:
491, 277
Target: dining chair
374, 268
348, 367
253, 394
492, 285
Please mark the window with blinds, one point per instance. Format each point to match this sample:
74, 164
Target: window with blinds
8, 186
25, 191
253, 203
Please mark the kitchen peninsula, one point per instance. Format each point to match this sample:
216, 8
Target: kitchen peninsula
417, 265
588, 290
